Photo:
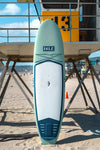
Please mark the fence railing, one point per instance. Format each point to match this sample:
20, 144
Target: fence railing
18, 26
23, 26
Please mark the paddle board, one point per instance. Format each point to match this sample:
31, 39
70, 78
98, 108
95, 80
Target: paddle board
49, 74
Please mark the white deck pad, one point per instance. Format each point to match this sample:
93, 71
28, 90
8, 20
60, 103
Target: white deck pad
48, 90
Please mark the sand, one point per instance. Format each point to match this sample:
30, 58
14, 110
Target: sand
17, 122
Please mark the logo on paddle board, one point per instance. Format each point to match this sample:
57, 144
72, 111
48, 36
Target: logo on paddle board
48, 48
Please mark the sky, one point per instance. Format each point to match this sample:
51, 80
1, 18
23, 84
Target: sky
17, 22
20, 22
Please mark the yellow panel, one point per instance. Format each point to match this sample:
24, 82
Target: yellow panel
25, 0
63, 22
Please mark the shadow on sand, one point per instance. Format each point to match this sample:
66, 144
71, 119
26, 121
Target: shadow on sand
9, 137
86, 122
77, 138
17, 124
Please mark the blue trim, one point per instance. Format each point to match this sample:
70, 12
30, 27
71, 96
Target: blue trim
48, 61
49, 121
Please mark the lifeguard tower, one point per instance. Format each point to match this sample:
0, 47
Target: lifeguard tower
79, 23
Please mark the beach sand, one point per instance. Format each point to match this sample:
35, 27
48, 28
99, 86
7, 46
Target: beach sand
17, 121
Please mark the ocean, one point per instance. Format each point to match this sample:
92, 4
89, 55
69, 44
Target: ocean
21, 69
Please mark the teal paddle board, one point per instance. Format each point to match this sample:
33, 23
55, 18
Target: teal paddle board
49, 84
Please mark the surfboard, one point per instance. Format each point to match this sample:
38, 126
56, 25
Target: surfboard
49, 74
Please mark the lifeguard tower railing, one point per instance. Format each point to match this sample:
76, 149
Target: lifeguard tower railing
23, 26
22, 31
